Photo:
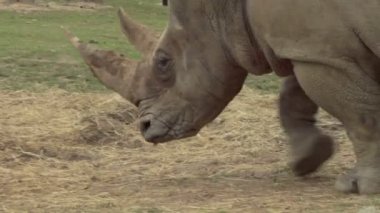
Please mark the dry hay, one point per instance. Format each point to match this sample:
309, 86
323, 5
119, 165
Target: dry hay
69, 152
42, 5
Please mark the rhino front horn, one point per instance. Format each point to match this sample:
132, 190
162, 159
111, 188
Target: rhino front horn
143, 39
112, 69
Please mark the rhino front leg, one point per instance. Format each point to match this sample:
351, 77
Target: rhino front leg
353, 97
310, 148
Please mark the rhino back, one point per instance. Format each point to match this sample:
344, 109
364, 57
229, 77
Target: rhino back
325, 31
363, 19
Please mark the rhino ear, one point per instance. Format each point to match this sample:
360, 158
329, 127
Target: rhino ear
112, 69
139, 35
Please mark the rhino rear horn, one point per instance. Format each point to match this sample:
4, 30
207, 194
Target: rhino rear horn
112, 69
143, 39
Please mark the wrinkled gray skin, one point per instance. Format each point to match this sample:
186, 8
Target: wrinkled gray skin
327, 50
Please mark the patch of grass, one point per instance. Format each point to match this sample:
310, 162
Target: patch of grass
375, 201
148, 210
35, 54
221, 211
267, 84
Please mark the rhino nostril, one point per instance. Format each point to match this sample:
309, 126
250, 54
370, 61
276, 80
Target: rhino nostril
145, 125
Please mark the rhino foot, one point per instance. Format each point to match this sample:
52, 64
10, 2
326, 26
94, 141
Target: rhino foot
360, 181
321, 149
348, 183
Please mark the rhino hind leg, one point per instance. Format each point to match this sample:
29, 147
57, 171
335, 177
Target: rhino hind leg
354, 98
364, 132
310, 148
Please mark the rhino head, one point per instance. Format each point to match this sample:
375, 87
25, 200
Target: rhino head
184, 80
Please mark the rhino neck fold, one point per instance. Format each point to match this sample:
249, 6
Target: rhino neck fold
258, 55
237, 37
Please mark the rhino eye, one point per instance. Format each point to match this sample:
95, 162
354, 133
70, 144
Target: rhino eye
163, 61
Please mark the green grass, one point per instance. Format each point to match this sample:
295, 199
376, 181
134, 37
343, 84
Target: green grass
35, 55
268, 84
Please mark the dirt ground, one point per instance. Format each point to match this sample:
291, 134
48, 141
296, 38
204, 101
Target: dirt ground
68, 152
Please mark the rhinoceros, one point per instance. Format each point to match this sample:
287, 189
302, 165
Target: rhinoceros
327, 52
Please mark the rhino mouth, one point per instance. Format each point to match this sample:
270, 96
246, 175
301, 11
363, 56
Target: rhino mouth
156, 130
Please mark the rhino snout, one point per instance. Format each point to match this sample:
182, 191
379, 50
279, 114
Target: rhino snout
153, 130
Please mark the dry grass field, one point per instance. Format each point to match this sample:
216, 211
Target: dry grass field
69, 145
81, 152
